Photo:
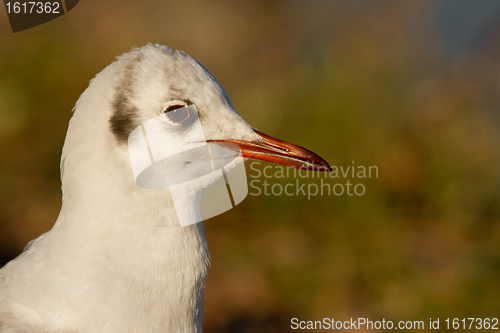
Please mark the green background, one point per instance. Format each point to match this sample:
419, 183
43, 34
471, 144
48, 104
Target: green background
411, 87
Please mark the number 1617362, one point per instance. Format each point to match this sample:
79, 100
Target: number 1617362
472, 323
32, 7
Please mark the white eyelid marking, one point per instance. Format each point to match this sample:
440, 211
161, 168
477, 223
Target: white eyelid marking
172, 103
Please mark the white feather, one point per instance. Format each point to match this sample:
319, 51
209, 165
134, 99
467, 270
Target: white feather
115, 260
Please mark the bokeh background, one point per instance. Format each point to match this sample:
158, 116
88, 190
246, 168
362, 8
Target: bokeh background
409, 86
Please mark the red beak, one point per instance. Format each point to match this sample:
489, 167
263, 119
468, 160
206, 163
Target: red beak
277, 151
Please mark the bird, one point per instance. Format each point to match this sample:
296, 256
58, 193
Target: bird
116, 258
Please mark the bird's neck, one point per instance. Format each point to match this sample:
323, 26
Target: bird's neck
123, 249
122, 256
116, 251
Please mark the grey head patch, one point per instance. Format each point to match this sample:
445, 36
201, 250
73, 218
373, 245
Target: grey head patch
123, 121
124, 117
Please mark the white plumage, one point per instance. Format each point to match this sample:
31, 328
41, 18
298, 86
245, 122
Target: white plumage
110, 263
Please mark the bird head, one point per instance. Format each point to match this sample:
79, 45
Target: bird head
157, 82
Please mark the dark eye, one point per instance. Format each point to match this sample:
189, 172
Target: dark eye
177, 113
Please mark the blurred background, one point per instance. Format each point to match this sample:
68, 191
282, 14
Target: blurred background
412, 87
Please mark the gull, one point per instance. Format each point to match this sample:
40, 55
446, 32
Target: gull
116, 259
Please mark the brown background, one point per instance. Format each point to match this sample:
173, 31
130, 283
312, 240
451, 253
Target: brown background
409, 86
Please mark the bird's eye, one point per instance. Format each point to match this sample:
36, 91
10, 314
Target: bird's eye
177, 113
